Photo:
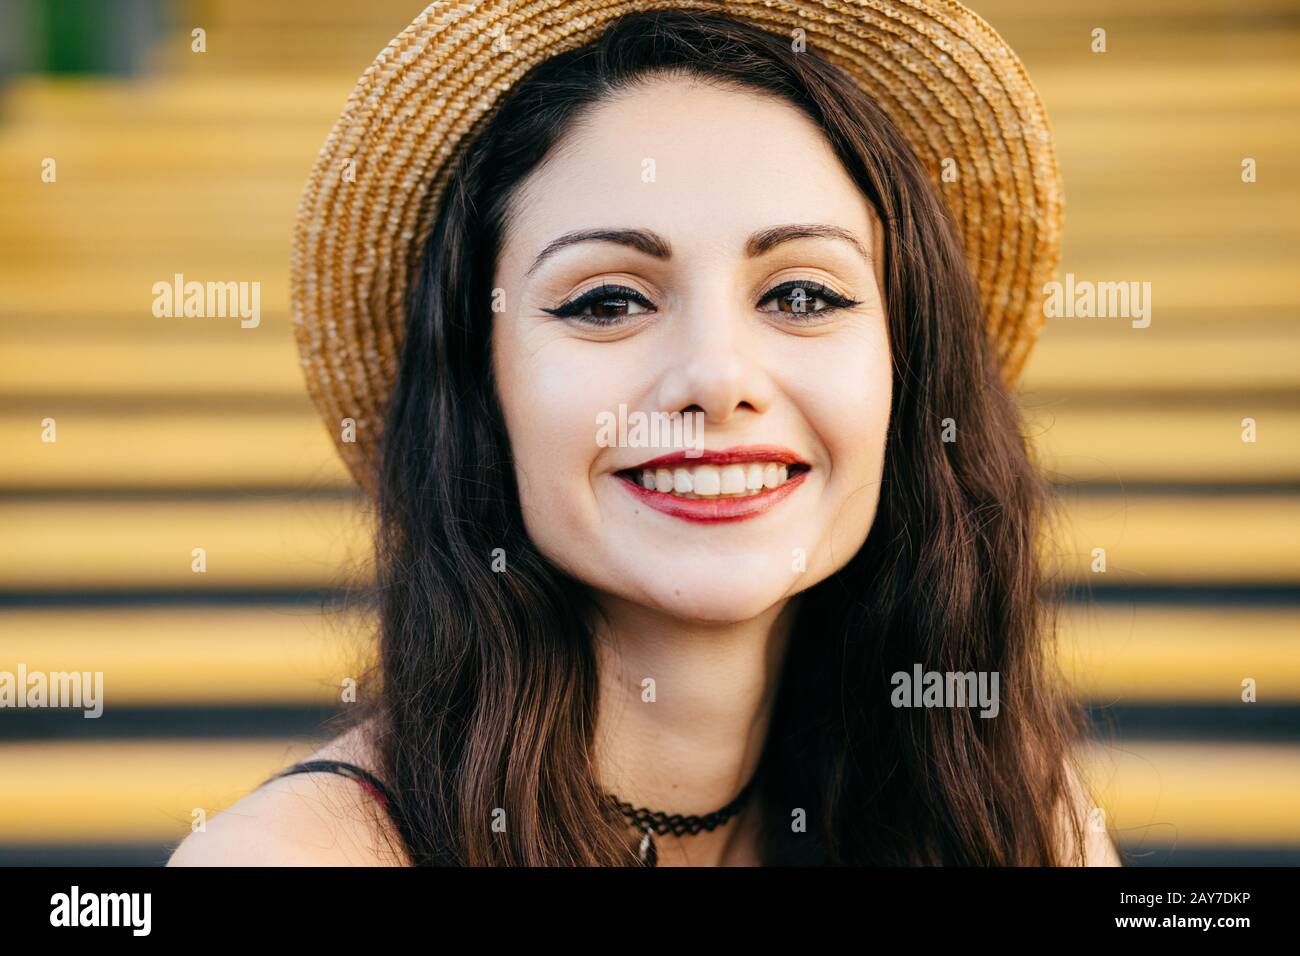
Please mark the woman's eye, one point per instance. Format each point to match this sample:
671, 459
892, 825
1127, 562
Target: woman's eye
605, 305
805, 298
610, 304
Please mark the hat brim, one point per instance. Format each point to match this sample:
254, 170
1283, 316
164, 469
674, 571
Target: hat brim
945, 78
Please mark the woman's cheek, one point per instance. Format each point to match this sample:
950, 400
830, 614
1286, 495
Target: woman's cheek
553, 423
846, 403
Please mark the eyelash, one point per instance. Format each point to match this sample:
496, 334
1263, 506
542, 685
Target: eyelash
573, 308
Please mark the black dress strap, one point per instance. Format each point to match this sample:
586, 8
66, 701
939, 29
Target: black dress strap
363, 777
360, 774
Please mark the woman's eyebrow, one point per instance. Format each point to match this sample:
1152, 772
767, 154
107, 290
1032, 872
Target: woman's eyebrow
642, 240
767, 239
652, 244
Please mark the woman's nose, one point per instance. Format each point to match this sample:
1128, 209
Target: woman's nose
714, 366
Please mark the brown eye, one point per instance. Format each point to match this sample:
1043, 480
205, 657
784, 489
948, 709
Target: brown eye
805, 298
796, 300
609, 308
604, 305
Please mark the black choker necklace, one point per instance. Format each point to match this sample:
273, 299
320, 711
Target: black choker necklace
650, 822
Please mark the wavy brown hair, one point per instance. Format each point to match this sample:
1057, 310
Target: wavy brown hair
484, 696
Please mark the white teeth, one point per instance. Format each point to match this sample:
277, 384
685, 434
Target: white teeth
712, 481
733, 480
707, 481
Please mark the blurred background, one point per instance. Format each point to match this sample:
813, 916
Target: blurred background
183, 433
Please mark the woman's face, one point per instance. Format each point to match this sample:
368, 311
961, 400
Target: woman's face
722, 313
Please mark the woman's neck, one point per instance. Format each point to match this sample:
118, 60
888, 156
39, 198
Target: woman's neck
683, 715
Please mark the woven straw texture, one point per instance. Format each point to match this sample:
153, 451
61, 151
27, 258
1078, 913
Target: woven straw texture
942, 75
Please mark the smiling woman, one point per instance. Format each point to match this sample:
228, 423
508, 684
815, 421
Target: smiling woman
591, 654
724, 237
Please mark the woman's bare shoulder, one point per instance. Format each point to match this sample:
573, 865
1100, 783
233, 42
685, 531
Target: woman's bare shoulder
304, 819
1098, 849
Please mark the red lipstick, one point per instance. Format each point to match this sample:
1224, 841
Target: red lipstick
722, 508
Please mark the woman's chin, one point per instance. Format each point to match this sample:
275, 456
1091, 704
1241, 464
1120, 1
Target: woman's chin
719, 600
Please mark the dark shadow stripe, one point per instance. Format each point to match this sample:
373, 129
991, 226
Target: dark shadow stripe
1239, 722
1179, 722
168, 723
1189, 594
1280, 595
1136, 855
88, 854
151, 854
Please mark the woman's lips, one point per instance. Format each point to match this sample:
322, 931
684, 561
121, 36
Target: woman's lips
711, 510
726, 456
735, 504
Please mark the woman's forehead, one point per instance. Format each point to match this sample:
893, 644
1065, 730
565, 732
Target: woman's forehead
692, 162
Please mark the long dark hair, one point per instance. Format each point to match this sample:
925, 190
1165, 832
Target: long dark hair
485, 703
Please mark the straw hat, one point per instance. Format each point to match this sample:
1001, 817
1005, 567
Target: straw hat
944, 77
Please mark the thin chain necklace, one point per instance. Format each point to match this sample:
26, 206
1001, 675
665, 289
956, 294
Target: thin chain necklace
652, 822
